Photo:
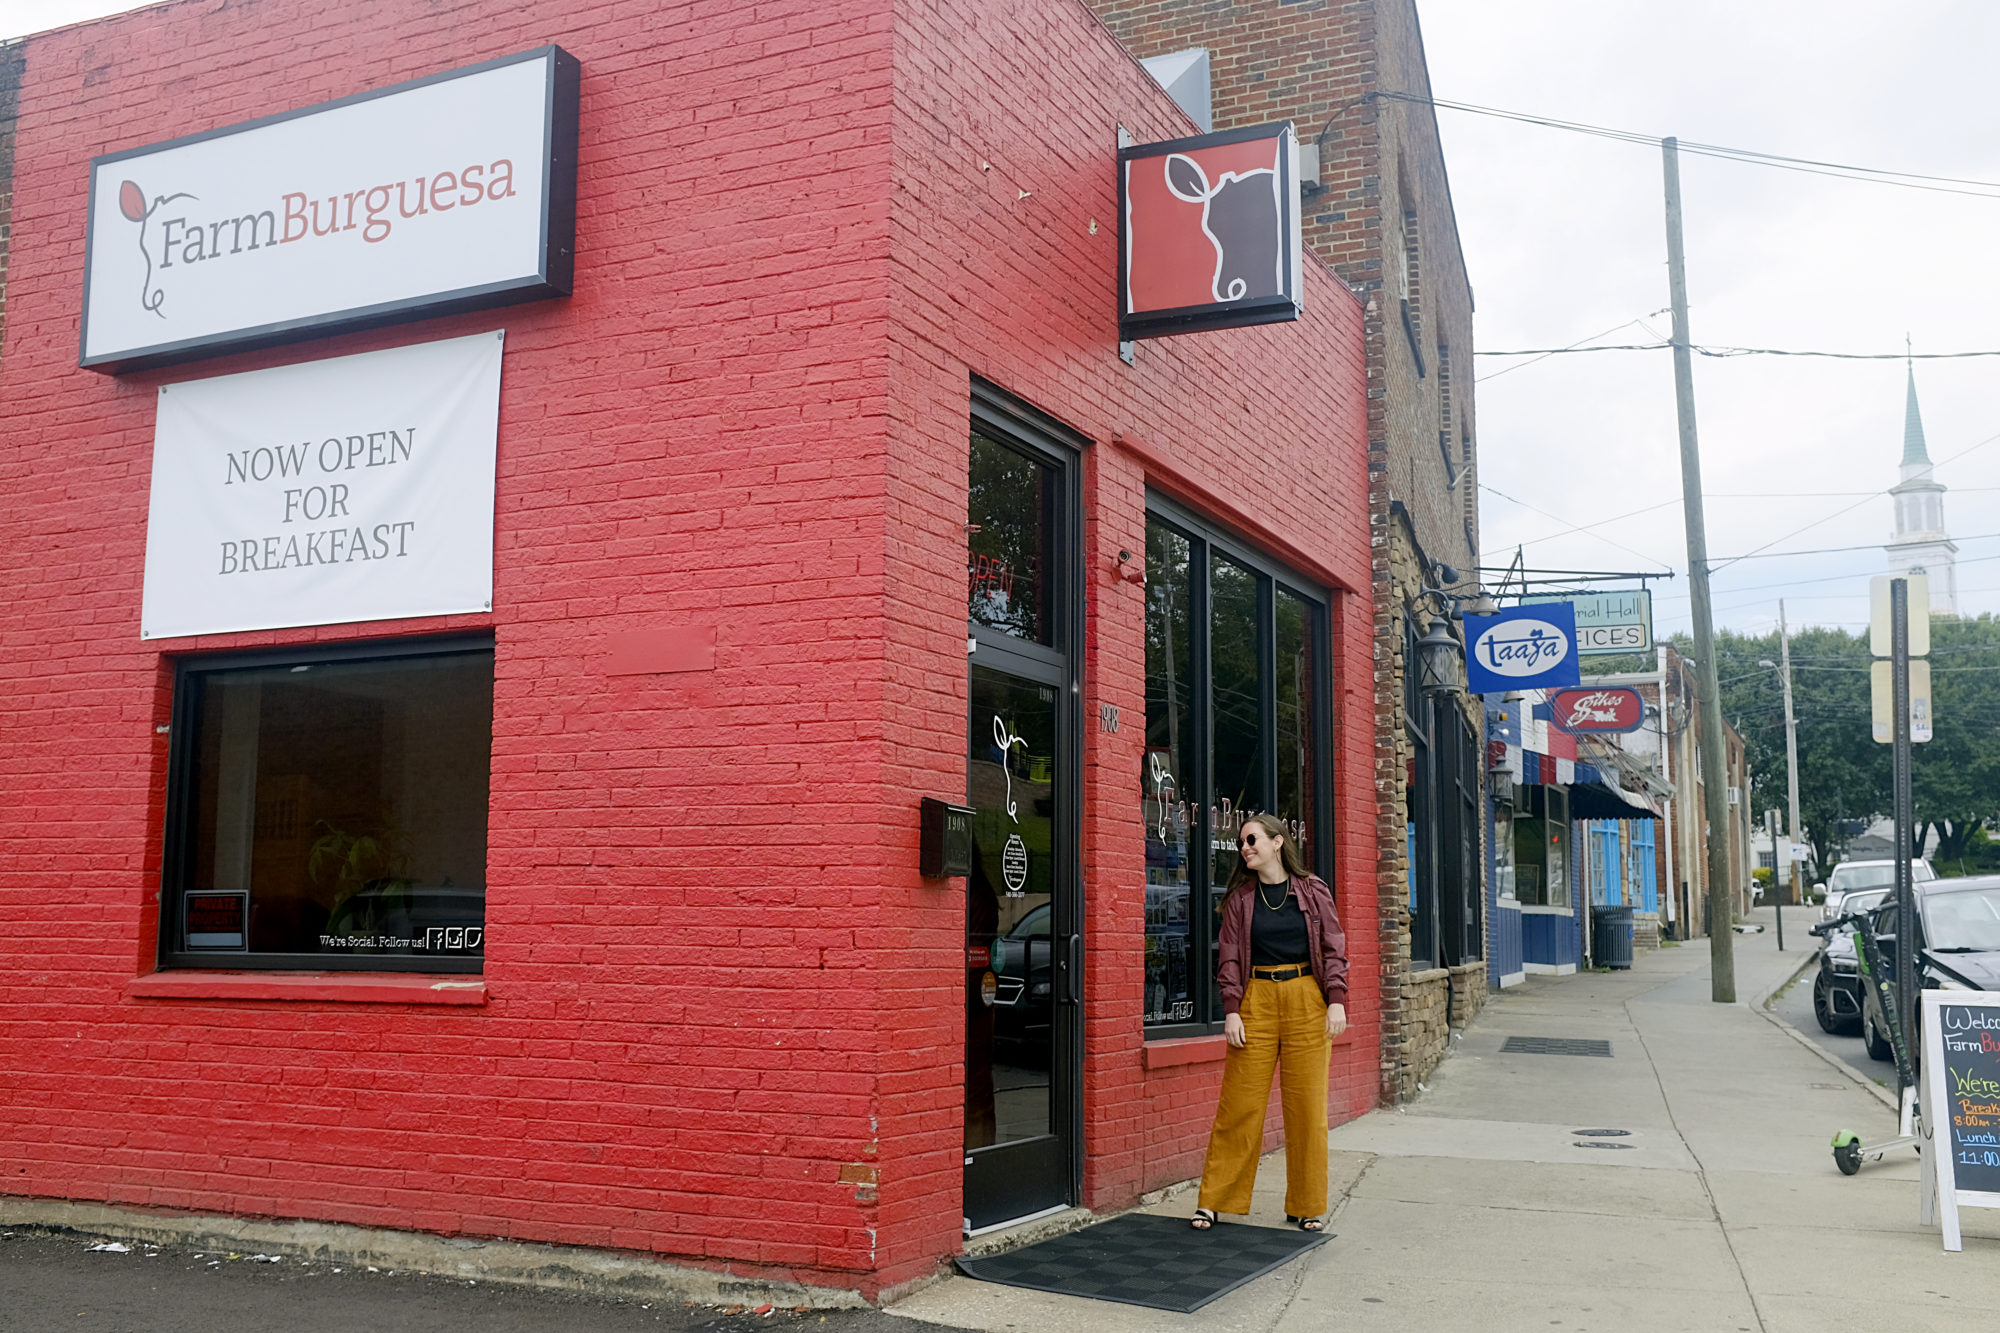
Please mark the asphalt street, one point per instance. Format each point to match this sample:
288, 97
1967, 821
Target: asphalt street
50, 1282
1794, 1006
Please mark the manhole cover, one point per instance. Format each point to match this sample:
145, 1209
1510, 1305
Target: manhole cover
1603, 1133
1595, 1143
1555, 1046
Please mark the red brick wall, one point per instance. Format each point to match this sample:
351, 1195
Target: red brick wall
1027, 300
1324, 64
716, 981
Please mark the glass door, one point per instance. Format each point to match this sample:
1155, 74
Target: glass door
1023, 940
1016, 960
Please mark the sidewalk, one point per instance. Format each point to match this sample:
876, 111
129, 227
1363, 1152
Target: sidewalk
1476, 1208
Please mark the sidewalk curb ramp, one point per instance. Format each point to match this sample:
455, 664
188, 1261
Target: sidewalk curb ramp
1762, 1006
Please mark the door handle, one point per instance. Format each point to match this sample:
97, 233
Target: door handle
1072, 992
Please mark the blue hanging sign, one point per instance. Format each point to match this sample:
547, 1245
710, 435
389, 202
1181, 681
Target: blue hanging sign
1521, 648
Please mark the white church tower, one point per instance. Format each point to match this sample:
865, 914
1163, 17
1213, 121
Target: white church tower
1921, 545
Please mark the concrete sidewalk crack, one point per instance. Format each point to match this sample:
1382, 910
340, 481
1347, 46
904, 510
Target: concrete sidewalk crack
1700, 1167
1296, 1281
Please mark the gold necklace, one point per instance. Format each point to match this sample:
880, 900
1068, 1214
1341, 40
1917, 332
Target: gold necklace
1274, 906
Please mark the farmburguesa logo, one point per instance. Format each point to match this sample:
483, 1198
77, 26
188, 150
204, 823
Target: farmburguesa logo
183, 239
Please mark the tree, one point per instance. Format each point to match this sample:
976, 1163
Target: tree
1843, 772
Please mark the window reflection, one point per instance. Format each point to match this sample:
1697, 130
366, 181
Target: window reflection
1238, 726
1164, 780
1296, 672
1233, 677
1008, 522
348, 801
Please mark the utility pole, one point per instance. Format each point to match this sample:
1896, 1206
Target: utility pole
1791, 749
1721, 917
1777, 895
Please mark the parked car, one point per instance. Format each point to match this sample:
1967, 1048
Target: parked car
1837, 986
1024, 1007
1958, 920
1854, 876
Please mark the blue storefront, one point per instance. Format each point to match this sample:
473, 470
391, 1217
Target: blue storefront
1563, 836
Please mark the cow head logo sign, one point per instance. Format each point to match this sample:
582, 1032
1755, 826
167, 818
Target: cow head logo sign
1210, 233
1239, 215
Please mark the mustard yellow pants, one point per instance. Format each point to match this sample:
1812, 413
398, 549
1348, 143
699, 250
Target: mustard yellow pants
1285, 1022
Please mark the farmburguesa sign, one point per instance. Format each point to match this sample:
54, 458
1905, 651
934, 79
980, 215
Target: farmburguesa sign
448, 193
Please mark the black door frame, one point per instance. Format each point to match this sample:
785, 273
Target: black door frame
1006, 418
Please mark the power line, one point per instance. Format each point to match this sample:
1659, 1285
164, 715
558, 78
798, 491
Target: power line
1713, 568
1909, 180
1575, 346
1761, 554
1543, 353
1560, 519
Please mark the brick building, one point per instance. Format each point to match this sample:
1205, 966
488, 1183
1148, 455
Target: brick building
1352, 75
594, 915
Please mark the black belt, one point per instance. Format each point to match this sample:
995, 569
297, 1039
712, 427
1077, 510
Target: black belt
1282, 973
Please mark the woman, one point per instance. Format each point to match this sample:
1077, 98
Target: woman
1283, 974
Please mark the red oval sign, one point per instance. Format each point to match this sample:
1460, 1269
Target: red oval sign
978, 957
1612, 708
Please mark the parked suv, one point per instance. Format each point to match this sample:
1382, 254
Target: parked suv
1958, 922
1837, 987
1854, 876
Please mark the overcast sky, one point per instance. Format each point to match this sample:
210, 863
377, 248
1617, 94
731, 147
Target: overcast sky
1563, 237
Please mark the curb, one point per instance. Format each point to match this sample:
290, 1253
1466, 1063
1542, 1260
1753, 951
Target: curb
511, 1263
1761, 1006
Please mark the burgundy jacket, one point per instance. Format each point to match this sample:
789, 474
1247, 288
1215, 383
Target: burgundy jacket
1323, 933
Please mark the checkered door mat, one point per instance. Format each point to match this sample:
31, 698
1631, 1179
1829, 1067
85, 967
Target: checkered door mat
1145, 1259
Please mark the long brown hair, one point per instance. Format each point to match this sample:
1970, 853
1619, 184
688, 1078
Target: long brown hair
1288, 852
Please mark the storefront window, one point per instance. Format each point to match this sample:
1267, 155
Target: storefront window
1235, 658
1170, 730
1541, 847
1297, 672
1240, 727
1007, 583
330, 811
1504, 857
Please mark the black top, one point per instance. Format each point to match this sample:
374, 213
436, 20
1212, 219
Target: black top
1277, 937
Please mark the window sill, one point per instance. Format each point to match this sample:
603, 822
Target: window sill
349, 988
1532, 909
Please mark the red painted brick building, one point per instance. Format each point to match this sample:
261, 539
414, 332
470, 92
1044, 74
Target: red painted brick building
845, 292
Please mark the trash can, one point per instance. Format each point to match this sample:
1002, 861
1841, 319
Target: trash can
1611, 935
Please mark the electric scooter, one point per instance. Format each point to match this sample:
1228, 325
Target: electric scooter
1848, 1149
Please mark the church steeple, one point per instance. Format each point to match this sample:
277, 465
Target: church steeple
1914, 452
1921, 545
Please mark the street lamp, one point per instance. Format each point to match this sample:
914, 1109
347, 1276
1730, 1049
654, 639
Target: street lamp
1440, 661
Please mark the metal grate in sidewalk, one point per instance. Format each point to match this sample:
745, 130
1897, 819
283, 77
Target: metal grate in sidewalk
1555, 1046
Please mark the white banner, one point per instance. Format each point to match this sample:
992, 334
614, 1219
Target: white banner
440, 193
357, 488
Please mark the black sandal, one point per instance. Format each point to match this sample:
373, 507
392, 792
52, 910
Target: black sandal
1203, 1219
1306, 1223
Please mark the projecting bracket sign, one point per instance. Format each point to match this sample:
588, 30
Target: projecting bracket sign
453, 192
1210, 233
1608, 623
1521, 648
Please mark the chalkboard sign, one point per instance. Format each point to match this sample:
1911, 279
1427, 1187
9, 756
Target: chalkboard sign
1961, 1078
1970, 1036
